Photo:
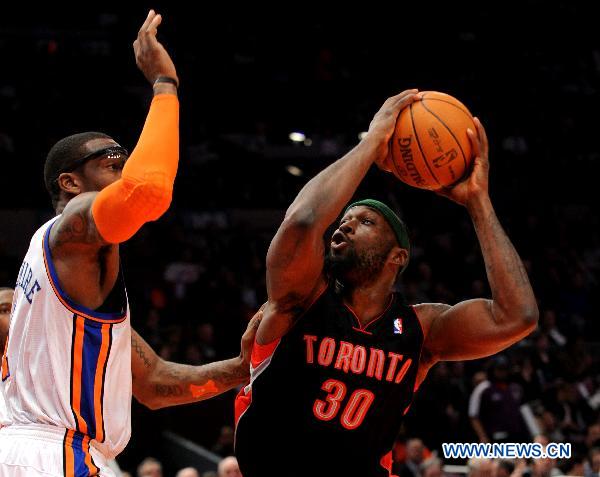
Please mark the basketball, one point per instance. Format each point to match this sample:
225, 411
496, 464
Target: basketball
430, 148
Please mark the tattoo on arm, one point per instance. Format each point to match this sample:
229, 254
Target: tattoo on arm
139, 350
76, 225
176, 383
167, 391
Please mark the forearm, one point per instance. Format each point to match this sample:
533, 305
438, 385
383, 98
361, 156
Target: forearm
324, 196
171, 384
512, 295
144, 191
479, 430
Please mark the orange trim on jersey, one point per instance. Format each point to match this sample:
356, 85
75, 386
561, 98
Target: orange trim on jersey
69, 455
76, 373
99, 381
241, 404
77, 459
377, 318
386, 462
260, 352
88, 457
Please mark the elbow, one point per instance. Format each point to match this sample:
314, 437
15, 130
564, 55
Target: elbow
529, 317
149, 197
145, 400
152, 403
157, 199
299, 218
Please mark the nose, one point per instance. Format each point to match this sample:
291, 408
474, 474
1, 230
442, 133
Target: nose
347, 227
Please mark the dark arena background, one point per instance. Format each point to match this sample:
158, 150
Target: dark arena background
249, 78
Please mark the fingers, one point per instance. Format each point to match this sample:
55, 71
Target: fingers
482, 134
150, 25
404, 101
475, 143
153, 27
149, 18
403, 94
256, 319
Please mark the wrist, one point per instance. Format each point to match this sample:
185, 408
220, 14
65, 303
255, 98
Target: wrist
375, 146
164, 88
242, 365
167, 79
478, 202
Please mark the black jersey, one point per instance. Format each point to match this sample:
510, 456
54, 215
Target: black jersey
328, 398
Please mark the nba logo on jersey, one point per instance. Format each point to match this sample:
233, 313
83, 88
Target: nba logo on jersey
398, 326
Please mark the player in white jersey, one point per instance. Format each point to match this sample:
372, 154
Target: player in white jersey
70, 355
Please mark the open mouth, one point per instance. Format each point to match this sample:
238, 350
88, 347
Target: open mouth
339, 241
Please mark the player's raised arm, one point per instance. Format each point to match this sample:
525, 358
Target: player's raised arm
478, 328
143, 191
295, 256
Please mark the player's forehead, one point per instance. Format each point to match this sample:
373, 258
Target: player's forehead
360, 211
99, 143
6, 296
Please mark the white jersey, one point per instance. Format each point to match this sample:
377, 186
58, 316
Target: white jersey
66, 365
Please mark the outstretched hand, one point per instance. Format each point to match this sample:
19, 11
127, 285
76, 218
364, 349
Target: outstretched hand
249, 336
476, 184
150, 56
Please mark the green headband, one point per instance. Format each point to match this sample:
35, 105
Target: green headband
397, 225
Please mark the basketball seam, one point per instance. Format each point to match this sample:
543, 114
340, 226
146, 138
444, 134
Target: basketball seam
450, 103
455, 140
412, 121
391, 146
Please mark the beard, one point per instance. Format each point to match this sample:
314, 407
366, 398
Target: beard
352, 268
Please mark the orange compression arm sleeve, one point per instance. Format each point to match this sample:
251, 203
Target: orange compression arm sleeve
144, 191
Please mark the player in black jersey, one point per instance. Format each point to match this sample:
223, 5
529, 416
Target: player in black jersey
338, 355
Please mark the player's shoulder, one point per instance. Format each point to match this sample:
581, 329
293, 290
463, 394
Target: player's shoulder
75, 225
428, 312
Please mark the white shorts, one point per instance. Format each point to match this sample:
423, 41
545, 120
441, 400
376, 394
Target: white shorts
37, 450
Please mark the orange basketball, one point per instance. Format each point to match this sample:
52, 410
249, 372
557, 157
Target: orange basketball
430, 148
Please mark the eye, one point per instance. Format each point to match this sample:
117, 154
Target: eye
367, 221
115, 166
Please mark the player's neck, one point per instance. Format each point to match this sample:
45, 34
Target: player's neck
369, 301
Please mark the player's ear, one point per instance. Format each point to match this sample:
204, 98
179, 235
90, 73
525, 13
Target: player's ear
70, 183
398, 256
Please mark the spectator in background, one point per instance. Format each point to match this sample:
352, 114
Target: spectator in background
224, 445
544, 468
6, 297
229, 467
504, 468
480, 468
432, 467
187, 472
415, 454
592, 438
481, 384
573, 466
548, 325
592, 466
149, 467
495, 411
